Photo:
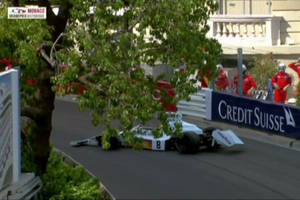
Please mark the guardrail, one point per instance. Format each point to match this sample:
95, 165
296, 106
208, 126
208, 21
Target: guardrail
26, 188
13, 183
198, 106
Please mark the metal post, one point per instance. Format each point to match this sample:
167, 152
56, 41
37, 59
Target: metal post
212, 84
270, 96
240, 71
16, 124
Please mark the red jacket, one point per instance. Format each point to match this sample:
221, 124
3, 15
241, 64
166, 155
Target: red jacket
203, 79
296, 67
222, 81
282, 79
248, 83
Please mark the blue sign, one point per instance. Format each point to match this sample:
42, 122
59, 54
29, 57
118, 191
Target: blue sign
258, 114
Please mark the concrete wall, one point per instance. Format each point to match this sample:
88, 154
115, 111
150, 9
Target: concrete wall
288, 9
236, 7
290, 25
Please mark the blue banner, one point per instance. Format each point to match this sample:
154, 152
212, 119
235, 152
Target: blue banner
263, 115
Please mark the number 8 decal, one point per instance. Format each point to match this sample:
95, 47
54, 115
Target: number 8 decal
158, 144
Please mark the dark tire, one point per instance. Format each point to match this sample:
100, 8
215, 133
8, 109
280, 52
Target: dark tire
208, 130
188, 144
208, 134
114, 143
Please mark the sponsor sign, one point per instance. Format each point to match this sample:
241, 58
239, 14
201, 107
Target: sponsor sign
27, 13
9, 128
258, 114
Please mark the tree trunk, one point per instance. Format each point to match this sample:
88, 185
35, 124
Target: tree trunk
41, 111
44, 98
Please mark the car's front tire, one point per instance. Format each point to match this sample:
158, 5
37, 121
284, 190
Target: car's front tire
114, 143
188, 144
208, 141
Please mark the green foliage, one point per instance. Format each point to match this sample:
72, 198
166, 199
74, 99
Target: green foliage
121, 36
298, 95
27, 152
113, 42
19, 42
61, 181
263, 68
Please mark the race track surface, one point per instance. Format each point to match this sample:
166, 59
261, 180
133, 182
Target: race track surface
255, 170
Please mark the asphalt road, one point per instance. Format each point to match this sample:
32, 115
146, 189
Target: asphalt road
255, 170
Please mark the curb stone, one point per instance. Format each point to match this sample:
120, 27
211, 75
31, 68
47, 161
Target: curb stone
265, 137
69, 98
73, 163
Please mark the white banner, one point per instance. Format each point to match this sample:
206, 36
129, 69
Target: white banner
10, 160
27, 13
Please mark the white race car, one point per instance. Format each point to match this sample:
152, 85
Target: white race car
192, 140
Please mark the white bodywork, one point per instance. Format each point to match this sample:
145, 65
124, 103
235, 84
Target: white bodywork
222, 137
150, 142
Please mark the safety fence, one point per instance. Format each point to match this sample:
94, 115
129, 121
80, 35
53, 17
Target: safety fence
13, 183
197, 106
259, 114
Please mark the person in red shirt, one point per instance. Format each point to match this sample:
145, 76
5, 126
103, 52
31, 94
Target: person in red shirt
296, 66
281, 81
248, 82
222, 80
204, 79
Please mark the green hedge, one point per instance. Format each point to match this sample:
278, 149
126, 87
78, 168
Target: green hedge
262, 68
298, 95
60, 181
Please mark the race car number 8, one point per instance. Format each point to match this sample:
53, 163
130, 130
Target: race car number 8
158, 144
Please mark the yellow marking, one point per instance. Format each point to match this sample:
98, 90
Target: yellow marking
147, 144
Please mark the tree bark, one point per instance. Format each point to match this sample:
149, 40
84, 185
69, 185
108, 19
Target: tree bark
44, 97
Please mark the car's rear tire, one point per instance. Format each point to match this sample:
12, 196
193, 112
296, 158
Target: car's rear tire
188, 144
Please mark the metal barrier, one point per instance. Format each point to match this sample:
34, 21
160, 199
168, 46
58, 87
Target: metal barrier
198, 106
13, 183
26, 188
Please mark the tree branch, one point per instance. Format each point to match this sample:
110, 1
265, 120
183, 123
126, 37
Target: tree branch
55, 43
83, 79
32, 112
102, 1
49, 59
130, 28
